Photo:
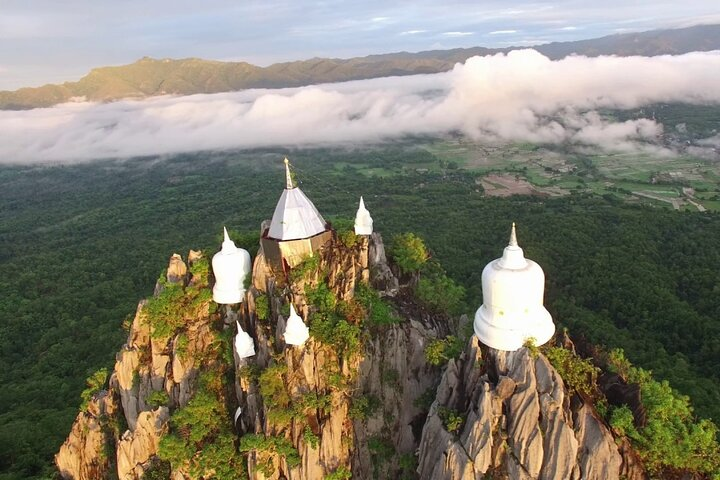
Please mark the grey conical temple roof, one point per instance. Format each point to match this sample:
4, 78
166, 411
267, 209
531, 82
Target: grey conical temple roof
295, 215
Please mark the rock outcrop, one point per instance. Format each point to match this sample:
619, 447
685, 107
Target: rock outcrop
390, 371
520, 422
136, 448
83, 455
364, 403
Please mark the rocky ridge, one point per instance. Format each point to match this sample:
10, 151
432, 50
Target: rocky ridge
381, 411
150, 77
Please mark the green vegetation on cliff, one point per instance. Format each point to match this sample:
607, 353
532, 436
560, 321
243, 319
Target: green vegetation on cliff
671, 438
79, 245
201, 439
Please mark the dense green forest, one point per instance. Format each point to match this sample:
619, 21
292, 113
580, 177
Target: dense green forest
80, 245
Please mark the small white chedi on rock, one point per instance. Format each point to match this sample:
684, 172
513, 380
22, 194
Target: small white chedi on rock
512, 311
244, 345
296, 332
363, 220
230, 265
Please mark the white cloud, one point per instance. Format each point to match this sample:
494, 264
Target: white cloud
412, 32
502, 32
457, 34
521, 96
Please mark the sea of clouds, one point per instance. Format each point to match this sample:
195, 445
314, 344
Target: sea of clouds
519, 96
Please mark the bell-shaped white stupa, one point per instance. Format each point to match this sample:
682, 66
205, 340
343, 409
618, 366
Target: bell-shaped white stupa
244, 345
230, 265
296, 332
512, 311
363, 220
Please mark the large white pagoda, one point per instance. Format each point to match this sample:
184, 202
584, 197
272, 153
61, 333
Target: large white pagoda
512, 311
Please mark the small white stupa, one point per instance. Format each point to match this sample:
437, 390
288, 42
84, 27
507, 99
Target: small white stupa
296, 332
363, 220
244, 345
512, 311
230, 265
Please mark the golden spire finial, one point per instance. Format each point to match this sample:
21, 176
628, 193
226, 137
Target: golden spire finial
288, 177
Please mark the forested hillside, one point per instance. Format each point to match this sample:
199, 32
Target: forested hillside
80, 245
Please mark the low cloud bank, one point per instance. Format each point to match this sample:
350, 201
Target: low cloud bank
521, 96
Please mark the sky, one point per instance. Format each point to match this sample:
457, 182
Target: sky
48, 41
519, 96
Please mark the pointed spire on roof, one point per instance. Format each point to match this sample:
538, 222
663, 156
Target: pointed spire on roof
513, 237
513, 257
228, 246
288, 177
362, 204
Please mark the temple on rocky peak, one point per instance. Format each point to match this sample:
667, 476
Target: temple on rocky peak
297, 229
295, 215
512, 311
363, 220
296, 332
230, 265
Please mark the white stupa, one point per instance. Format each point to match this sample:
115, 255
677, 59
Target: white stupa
296, 332
363, 220
295, 215
230, 265
244, 345
512, 311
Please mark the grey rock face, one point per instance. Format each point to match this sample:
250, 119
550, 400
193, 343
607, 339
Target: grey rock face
519, 426
381, 276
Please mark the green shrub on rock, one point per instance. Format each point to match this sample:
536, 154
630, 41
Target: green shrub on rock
267, 446
408, 251
95, 383
578, 374
440, 351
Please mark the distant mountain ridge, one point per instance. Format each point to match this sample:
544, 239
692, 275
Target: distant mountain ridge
150, 77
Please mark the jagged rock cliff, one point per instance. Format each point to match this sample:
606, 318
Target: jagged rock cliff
520, 422
358, 398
